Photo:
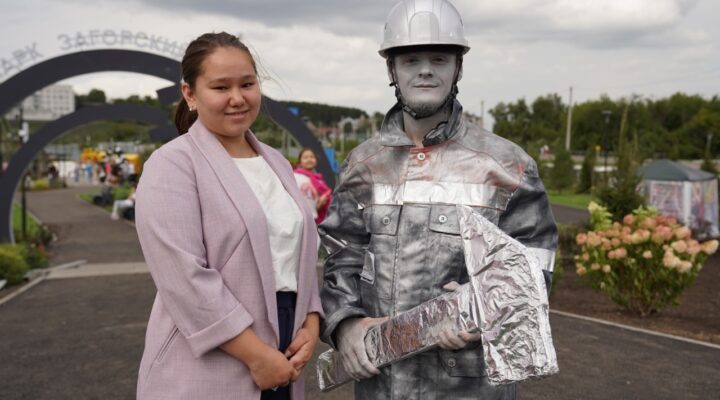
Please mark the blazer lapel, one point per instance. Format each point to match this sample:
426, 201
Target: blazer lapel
308, 248
243, 198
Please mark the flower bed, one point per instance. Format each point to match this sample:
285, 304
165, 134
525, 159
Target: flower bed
644, 263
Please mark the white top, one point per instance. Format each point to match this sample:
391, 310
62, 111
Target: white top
284, 220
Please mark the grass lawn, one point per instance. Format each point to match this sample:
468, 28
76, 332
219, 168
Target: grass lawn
32, 225
570, 199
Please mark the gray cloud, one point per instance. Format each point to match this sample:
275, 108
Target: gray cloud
590, 24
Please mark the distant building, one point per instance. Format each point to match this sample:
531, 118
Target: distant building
47, 104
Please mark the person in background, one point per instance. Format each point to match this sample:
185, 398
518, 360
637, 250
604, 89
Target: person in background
230, 243
119, 206
319, 190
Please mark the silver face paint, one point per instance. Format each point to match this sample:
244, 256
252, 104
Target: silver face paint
425, 79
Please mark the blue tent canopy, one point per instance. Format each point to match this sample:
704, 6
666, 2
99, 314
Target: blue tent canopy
667, 170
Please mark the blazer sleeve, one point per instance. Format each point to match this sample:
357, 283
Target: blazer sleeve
169, 226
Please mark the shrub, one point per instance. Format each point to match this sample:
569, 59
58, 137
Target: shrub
40, 184
12, 264
586, 173
121, 192
35, 256
563, 172
643, 263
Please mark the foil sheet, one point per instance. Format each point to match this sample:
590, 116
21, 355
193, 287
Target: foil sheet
512, 300
408, 333
505, 299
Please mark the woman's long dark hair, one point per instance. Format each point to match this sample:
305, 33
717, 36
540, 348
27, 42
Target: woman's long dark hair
197, 51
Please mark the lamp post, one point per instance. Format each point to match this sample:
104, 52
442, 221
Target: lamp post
607, 114
22, 136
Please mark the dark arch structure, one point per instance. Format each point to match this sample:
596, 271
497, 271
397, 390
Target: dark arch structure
27, 82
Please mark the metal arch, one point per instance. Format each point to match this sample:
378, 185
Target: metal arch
280, 114
24, 156
16, 88
25, 83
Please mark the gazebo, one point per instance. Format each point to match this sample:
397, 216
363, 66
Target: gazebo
688, 194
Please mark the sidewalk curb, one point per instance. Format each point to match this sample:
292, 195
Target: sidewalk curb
635, 329
41, 277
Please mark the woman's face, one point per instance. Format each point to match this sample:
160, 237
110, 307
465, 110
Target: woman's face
227, 93
308, 160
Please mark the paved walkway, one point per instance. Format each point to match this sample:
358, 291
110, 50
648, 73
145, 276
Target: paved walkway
79, 334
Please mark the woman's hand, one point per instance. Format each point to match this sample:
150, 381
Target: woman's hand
303, 344
272, 370
269, 368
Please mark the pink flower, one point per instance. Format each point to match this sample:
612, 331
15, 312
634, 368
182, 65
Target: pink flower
606, 268
649, 223
581, 238
595, 266
615, 242
580, 270
670, 261
685, 266
629, 219
627, 238
606, 245
620, 253
710, 247
586, 256
682, 232
657, 237
694, 248
593, 240
680, 246
647, 254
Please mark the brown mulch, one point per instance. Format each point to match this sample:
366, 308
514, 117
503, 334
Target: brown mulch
697, 317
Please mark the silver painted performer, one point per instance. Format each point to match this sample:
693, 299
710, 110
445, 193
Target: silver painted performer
393, 228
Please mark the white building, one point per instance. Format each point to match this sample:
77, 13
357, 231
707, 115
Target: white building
47, 104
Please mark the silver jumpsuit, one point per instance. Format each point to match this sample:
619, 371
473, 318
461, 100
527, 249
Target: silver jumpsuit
394, 231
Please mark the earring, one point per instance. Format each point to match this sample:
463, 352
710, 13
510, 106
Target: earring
191, 108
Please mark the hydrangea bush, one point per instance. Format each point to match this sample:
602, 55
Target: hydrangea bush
643, 263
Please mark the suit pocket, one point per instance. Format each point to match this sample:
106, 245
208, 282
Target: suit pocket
468, 362
166, 345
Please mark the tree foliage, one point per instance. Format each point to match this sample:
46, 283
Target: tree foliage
619, 193
324, 114
563, 174
673, 127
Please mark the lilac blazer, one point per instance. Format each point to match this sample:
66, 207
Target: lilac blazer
205, 240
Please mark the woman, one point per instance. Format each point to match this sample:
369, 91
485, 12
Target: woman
307, 161
229, 242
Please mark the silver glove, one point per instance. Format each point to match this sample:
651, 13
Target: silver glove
452, 339
351, 347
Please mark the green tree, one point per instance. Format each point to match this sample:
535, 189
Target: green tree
563, 172
94, 97
708, 165
587, 172
620, 194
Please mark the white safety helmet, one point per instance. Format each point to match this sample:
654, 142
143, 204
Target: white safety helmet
422, 23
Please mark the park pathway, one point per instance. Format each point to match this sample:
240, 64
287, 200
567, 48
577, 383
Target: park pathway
79, 335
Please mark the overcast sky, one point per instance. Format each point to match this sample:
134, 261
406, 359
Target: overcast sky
326, 50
